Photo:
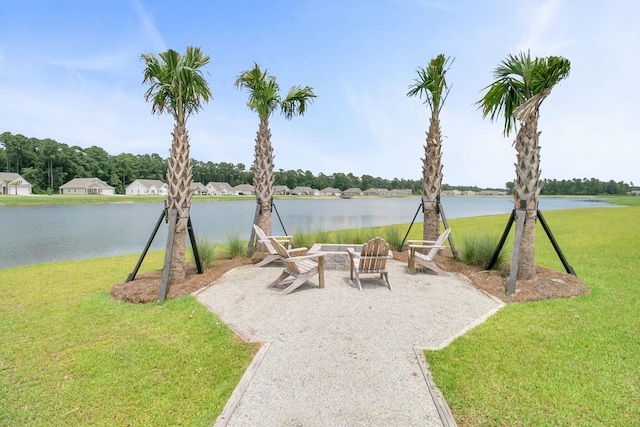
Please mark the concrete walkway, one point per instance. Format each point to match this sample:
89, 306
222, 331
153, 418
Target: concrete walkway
337, 356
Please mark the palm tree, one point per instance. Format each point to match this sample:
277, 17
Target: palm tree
264, 97
178, 87
432, 84
520, 87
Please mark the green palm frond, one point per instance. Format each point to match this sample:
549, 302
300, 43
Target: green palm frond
264, 94
520, 86
296, 101
176, 83
263, 90
431, 83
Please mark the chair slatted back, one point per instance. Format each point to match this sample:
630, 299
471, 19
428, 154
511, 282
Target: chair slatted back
440, 242
374, 255
286, 258
262, 237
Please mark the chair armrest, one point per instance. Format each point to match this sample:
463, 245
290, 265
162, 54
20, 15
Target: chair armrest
420, 242
426, 246
294, 250
310, 256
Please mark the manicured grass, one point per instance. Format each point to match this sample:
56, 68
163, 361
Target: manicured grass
625, 201
73, 356
562, 362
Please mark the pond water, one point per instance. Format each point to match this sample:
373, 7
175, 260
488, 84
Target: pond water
42, 234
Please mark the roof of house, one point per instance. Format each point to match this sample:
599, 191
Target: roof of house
12, 177
304, 189
85, 183
220, 185
376, 191
243, 187
197, 185
352, 190
330, 190
150, 182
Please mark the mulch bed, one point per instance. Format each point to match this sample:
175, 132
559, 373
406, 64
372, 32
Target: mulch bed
548, 284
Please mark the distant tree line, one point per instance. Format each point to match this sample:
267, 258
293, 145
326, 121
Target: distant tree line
47, 164
580, 187
584, 187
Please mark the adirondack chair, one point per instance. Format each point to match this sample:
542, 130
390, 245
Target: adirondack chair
301, 268
426, 259
285, 241
371, 259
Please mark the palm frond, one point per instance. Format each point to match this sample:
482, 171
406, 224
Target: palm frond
431, 83
263, 90
177, 85
296, 101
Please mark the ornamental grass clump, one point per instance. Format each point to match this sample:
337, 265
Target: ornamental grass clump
393, 236
478, 249
206, 250
235, 244
302, 239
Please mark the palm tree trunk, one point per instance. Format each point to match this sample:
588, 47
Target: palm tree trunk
527, 188
432, 179
263, 176
179, 177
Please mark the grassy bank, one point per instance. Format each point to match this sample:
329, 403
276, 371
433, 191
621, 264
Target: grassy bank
563, 362
73, 356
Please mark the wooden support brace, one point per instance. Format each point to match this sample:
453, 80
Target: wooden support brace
164, 282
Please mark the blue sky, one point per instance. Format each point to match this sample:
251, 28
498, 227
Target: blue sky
70, 70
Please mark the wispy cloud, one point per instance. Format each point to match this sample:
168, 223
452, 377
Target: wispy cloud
150, 30
544, 34
108, 61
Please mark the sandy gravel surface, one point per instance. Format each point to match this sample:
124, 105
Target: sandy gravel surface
338, 356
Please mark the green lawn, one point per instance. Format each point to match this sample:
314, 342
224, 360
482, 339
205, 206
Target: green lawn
73, 356
565, 362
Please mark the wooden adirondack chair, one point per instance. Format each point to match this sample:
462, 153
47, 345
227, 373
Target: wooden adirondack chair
301, 268
371, 259
285, 241
426, 260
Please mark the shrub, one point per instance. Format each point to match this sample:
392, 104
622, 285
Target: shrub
322, 236
206, 250
302, 239
235, 245
478, 249
393, 236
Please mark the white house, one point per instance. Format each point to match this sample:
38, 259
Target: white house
305, 191
13, 183
400, 192
198, 188
219, 189
243, 189
330, 191
281, 190
147, 187
352, 192
376, 192
87, 186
